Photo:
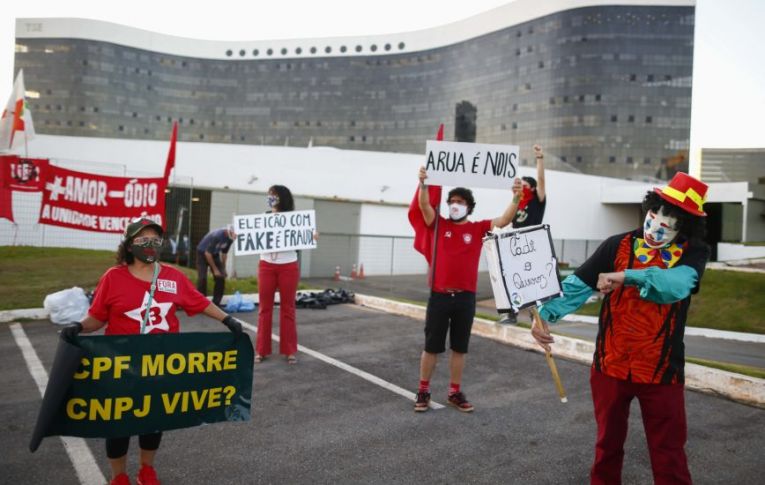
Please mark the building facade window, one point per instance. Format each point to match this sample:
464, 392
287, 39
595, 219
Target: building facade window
396, 91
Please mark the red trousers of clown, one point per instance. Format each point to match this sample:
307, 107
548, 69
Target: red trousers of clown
271, 277
663, 410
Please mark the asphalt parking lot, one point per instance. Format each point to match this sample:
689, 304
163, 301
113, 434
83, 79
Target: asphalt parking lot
321, 422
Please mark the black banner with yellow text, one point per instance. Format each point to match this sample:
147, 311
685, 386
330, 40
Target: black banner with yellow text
114, 386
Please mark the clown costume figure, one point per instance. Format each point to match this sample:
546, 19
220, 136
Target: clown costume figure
647, 276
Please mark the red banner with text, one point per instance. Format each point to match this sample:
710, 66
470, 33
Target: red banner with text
99, 203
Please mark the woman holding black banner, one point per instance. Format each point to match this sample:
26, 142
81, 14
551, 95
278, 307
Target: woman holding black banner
278, 270
140, 296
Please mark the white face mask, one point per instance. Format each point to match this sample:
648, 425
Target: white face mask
659, 229
457, 211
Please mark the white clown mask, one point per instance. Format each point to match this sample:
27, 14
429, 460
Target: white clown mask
659, 229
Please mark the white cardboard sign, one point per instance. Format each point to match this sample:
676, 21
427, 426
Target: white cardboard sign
522, 267
457, 164
278, 231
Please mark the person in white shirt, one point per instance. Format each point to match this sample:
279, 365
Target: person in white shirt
278, 271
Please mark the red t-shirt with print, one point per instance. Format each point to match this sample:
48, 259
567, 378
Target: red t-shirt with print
121, 298
458, 254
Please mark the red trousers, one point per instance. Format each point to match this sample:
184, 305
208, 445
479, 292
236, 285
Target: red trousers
283, 277
663, 410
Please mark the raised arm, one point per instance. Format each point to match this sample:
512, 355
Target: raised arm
507, 217
540, 158
424, 199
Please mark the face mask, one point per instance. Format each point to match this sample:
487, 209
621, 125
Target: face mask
526, 197
146, 252
457, 211
272, 200
659, 229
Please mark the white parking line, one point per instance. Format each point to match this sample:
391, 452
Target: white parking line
79, 454
353, 370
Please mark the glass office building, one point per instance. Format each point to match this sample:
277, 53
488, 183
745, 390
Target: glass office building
605, 88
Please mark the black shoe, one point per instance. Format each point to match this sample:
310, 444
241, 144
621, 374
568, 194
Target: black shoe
459, 401
422, 402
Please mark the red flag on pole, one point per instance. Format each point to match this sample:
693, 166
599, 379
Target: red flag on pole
16, 116
170, 164
423, 234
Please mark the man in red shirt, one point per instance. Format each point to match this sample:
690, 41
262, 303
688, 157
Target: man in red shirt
454, 274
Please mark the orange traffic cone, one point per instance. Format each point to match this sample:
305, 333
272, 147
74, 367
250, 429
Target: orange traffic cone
353, 272
361, 271
337, 273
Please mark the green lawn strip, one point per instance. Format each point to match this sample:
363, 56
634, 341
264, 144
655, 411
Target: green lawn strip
728, 300
29, 274
738, 369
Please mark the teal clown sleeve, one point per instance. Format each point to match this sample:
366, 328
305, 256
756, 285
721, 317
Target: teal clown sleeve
662, 285
575, 294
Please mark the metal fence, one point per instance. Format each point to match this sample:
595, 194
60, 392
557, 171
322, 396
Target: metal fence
187, 220
395, 255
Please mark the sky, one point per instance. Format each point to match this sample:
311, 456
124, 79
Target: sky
729, 64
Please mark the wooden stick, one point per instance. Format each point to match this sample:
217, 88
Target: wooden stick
548, 355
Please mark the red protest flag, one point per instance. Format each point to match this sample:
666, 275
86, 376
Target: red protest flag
170, 164
25, 174
16, 116
423, 234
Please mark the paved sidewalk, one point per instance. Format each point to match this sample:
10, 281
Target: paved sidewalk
415, 288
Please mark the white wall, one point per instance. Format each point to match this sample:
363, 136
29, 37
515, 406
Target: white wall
579, 207
734, 252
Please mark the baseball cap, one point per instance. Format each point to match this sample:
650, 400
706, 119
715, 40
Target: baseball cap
136, 225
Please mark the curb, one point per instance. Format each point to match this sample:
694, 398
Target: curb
34, 313
42, 314
738, 387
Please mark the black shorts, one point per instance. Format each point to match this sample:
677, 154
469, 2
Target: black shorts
118, 447
452, 313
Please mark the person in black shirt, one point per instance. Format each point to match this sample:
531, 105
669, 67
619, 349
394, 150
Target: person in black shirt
531, 209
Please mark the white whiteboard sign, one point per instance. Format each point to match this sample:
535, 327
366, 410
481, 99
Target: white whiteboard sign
471, 164
522, 267
279, 231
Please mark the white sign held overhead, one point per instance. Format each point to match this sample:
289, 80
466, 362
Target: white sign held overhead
472, 165
278, 231
522, 267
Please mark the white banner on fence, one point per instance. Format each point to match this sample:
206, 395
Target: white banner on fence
279, 231
522, 267
471, 164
